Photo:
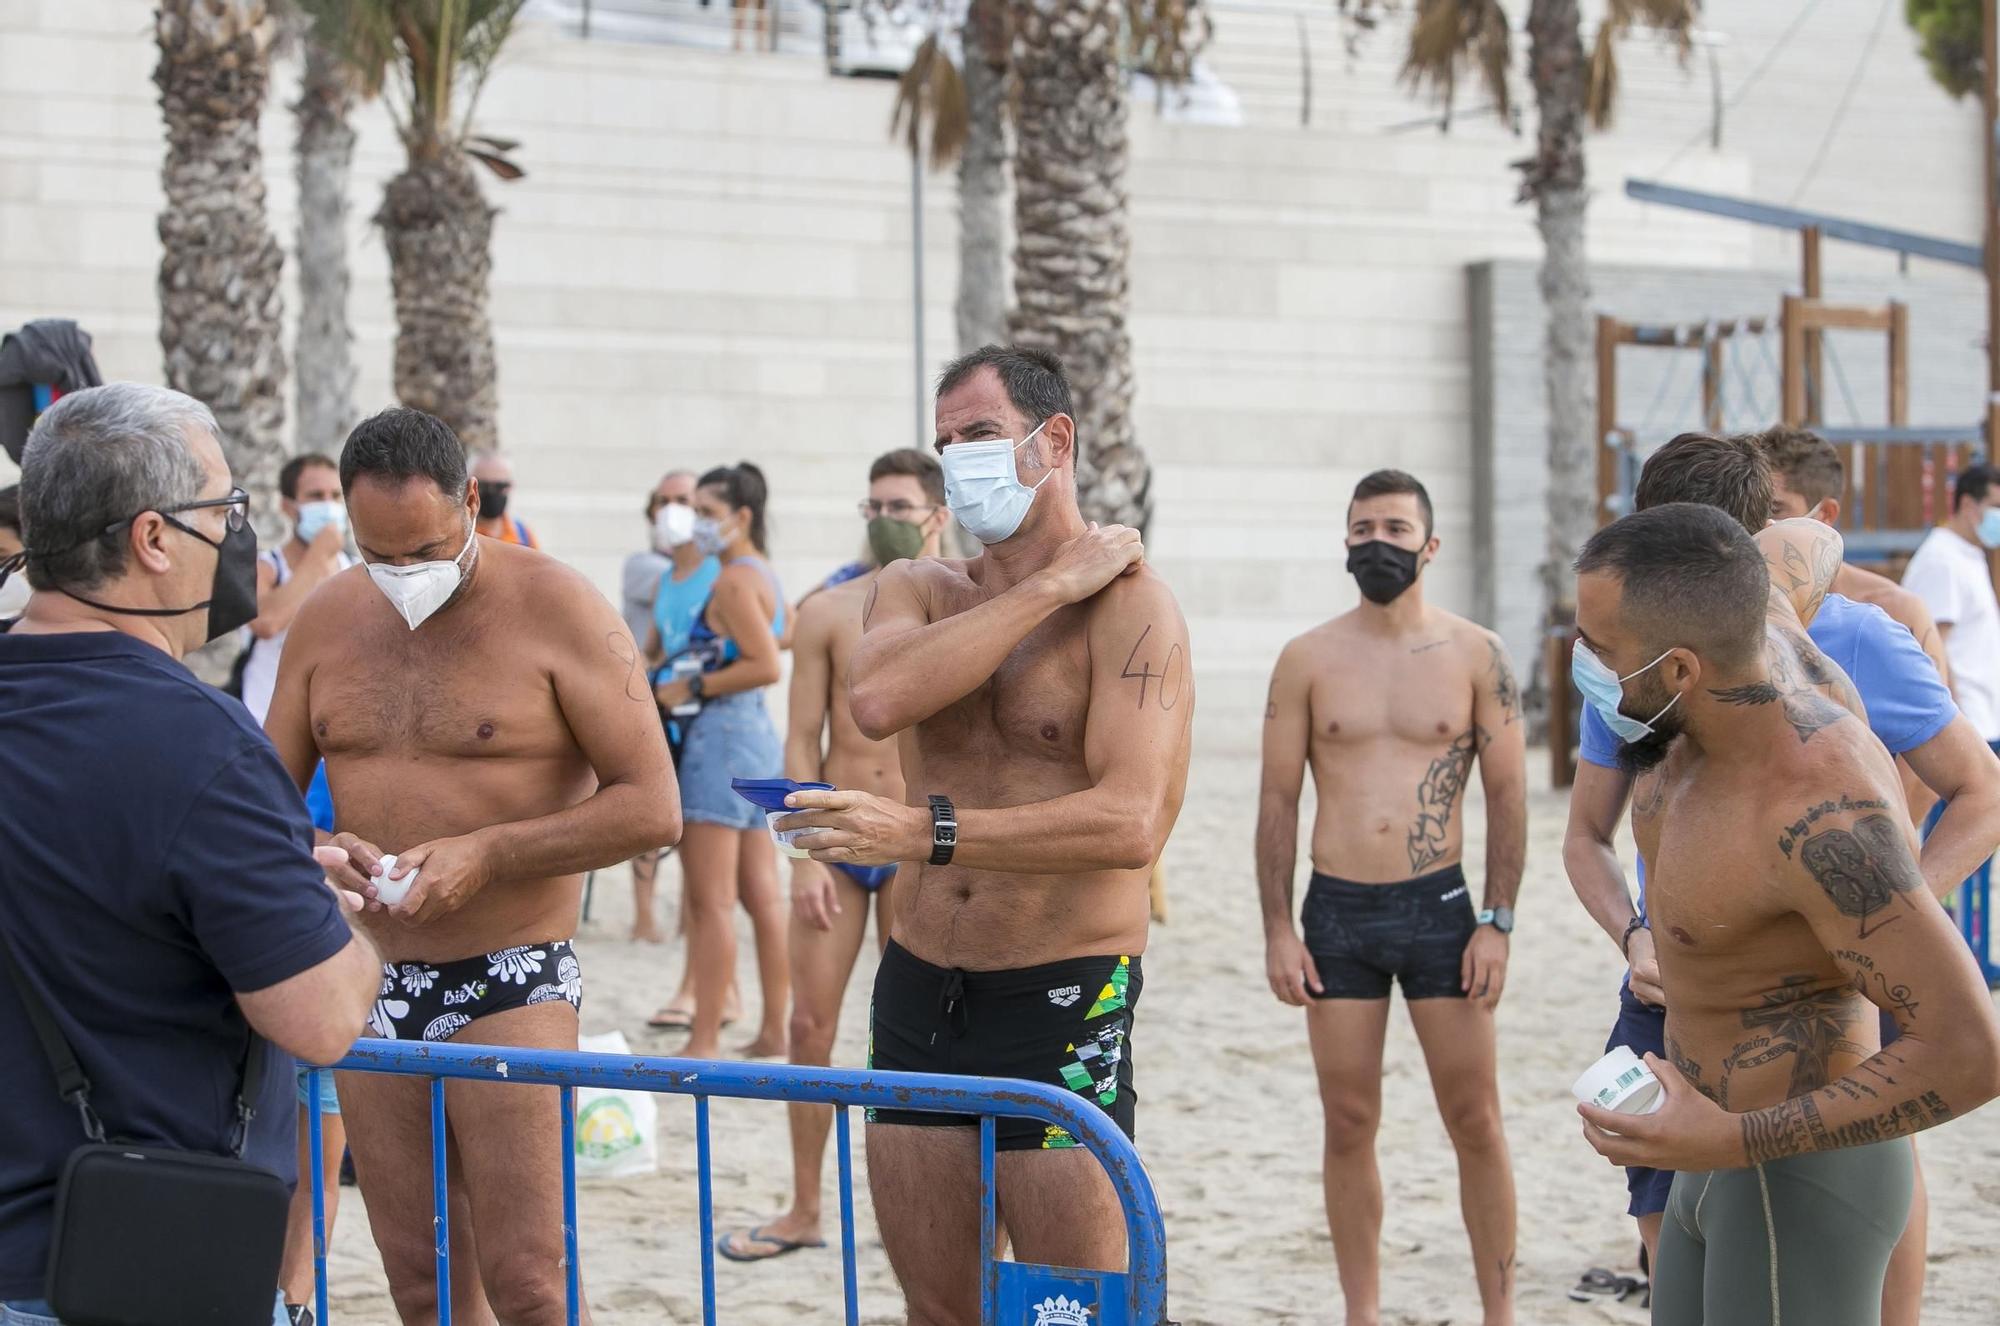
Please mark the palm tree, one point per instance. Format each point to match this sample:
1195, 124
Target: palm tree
220, 306
430, 59
982, 178
324, 390
1570, 88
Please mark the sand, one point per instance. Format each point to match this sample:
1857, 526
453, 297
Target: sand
1229, 1126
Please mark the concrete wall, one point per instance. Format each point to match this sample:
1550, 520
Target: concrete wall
710, 260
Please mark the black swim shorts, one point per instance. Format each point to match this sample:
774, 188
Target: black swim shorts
434, 1001
1362, 936
1065, 1023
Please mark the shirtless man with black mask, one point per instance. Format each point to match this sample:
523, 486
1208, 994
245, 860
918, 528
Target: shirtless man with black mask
1391, 703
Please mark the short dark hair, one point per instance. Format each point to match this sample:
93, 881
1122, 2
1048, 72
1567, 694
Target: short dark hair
1973, 482
1691, 577
1035, 381
401, 444
918, 465
742, 486
1807, 462
10, 508
1725, 472
288, 477
1385, 483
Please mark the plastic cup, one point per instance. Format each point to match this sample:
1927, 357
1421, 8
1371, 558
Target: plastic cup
784, 840
1620, 1082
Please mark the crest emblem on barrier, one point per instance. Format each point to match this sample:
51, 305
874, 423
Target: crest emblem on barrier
1059, 1311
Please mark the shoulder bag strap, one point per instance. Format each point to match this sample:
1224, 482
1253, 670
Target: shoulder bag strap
71, 1083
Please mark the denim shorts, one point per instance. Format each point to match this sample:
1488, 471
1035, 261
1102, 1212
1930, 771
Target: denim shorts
329, 1103
732, 737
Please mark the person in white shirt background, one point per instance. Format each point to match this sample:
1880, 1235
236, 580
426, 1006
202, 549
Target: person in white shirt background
1951, 574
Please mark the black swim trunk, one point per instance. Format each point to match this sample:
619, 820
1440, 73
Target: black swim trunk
1065, 1023
1361, 936
434, 1001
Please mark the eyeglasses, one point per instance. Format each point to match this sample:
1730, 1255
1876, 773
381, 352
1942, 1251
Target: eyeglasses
896, 510
237, 504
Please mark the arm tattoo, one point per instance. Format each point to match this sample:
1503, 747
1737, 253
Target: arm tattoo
1504, 688
1864, 870
1437, 795
622, 649
1896, 997
1797, 828
1794, 1126
1166, 684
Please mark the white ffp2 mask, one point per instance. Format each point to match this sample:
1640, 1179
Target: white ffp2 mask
673, 525
983, 491
420, 589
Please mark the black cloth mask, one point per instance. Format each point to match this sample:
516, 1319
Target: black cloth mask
493, 500
1382, 570
232, 595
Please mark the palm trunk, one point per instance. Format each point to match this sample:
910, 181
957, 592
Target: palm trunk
1555, 180
1072, 244
982, 180
325, 346
439, 230
220, 305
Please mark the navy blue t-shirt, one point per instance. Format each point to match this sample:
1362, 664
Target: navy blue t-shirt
155, 859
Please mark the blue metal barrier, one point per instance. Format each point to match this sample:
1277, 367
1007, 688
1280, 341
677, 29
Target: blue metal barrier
1011, 1293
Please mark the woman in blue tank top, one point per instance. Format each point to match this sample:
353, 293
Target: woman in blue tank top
726, 851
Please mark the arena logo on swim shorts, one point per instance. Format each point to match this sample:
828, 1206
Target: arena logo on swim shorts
1059, 1311
1458, 892
1066, 996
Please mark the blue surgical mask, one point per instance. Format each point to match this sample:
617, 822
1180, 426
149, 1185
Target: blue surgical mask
983, 491
1604, 689
1989, 527
316, 516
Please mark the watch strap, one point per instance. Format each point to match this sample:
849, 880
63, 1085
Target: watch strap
944, 830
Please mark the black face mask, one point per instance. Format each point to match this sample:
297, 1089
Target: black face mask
493, 500
232, 595
1382, 570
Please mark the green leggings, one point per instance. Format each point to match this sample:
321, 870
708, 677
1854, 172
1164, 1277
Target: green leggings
1802, 1241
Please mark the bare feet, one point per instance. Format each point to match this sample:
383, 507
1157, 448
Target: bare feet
648, 932
769, 1045
699, 1050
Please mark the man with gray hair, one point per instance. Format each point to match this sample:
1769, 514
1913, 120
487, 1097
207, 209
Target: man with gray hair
164, 936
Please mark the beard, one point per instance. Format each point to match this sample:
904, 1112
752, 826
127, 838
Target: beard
1636, 757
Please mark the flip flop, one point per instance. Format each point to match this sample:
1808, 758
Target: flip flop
678, 1019
779, 1247
1600, 1283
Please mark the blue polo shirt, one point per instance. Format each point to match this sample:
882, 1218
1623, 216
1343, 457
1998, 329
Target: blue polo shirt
155, 859
1907, 702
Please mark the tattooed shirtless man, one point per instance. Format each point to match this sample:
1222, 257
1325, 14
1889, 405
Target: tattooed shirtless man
1788, 906
1391, 703
1047, 695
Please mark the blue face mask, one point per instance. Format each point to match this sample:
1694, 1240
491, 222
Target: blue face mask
983, 491
1989, 527
1604, 689
316, 516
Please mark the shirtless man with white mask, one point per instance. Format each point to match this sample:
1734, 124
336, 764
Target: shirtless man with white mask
483, 714
1047, 696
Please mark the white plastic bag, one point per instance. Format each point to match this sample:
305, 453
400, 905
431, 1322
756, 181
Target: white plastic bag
615, 1130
